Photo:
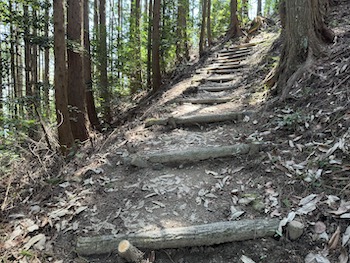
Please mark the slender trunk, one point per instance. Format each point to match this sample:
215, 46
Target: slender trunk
209, 24
149, 44
103, 61
65, 136
234, 28
35, 100
90, 102
202, 34
156, 76
46, 76
135, 41
28, 66
1, 87
13, 65
76, 86
259, 8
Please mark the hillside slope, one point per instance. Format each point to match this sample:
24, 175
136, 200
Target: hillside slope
163, 170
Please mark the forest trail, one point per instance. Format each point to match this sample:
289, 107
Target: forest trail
213, 147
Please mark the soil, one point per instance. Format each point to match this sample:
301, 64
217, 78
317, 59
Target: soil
101, 194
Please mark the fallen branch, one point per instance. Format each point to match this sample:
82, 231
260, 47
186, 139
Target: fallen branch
200, 235
197, 119
191, 155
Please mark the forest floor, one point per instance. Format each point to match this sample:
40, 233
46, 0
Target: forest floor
301, 170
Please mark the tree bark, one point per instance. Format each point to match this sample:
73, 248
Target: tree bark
1, 86
209, 24
182, 52
65, 136
135, 46
259, 8
304, 34
200, 235
103, 61
76, 86
156, 76
90, 102
149, 44
202, 37
46, 75
234, 28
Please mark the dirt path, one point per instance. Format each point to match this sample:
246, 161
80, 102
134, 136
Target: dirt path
300, 169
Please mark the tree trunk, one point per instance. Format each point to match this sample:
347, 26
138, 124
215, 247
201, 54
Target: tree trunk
103, 61
156, 76
46, 76
304, 34
149, 44
76, 87
259, 8
13, 66
234, 29
1, 86
65, 136
209, 24
203, 25
90, 102
135, 42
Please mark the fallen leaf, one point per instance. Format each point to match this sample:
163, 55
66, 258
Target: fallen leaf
346, 237
344, 256
333, 242
38, 238
245, 259
316, 258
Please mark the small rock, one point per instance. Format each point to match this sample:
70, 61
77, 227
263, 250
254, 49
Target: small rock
294, 230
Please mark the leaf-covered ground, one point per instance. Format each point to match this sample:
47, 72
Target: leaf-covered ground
300, 173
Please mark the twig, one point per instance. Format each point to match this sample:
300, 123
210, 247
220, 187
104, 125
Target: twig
3, 206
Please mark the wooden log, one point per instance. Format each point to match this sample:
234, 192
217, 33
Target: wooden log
228, 61
129, 252
206, 100
234, 54
197, 119
200, 235
226, 71
216, 88
225, 51
234, 65
190, 155
222, 78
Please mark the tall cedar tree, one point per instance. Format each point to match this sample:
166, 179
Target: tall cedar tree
1, 87
156, 76
135, 41
90, 102
304, 34
149, 44
46, 74
103, 61
259, 8
65, 136
209, 23
76, 86
182, 51
202, 37
234, 28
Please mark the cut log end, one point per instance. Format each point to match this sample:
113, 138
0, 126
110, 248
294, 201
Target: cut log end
129, 252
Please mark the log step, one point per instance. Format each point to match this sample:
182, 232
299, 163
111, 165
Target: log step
235, 50
234, 65
190, 236
190, 155
226, 71
197, 119
232, 56
228, 60
221, 78
215, 88
237, 54
209, 101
